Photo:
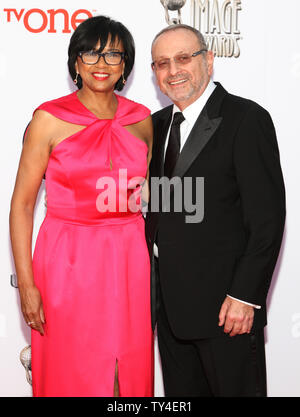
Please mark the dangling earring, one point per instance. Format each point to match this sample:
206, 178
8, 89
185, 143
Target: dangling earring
123, 79
76, 78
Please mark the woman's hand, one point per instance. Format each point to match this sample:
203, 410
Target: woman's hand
32, 308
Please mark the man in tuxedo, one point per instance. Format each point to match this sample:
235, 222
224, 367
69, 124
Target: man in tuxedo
210, 275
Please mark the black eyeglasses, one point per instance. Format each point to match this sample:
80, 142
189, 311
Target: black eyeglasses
110, 58
181, 59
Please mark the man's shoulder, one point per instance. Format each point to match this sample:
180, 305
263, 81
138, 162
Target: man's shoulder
162, 114
242, 105
237, 110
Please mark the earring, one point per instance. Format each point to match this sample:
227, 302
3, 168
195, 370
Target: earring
123, 79
76, 78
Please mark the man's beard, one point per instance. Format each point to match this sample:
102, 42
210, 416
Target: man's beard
187, 93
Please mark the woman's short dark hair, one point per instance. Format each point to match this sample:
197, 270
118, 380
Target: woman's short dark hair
96, 28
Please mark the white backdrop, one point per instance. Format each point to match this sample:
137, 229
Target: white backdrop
33, 69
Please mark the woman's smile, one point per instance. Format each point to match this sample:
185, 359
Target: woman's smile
100, 76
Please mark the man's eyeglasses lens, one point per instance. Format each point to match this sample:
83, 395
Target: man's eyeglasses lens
110, 58
182, 59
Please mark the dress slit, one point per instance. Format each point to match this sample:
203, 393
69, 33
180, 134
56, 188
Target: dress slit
116, 380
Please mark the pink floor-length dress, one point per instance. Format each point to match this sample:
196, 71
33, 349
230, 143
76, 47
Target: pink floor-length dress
91, 266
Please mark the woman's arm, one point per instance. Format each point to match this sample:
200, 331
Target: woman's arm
147, 131
32, 166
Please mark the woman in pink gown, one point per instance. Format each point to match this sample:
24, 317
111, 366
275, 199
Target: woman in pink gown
86, 293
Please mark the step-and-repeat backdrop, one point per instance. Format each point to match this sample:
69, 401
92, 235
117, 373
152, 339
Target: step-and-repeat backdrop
257, 49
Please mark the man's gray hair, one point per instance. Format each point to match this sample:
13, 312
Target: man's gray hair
196, 32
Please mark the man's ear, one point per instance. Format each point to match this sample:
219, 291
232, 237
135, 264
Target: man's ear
153, 70
210, 62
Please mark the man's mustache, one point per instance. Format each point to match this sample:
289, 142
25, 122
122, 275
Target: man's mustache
178, 76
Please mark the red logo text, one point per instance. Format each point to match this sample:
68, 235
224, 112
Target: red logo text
48, 19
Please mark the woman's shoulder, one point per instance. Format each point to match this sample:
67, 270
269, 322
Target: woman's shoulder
133, 104
131, 109
59, 102
43, 121
44, 118
68, 108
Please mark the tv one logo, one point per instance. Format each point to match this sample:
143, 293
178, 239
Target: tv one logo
38, 20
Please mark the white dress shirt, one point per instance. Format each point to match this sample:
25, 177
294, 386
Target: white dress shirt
191, 114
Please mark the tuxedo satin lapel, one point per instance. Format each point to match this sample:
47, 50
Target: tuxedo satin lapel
203, 130
200, 135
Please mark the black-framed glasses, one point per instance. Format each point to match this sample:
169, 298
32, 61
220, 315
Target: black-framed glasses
110, 58
180, 59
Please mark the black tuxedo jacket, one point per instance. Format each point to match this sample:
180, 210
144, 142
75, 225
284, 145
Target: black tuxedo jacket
234, 249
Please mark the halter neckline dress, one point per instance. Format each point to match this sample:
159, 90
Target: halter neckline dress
91, 262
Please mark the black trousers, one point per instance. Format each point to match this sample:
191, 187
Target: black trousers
218, 367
